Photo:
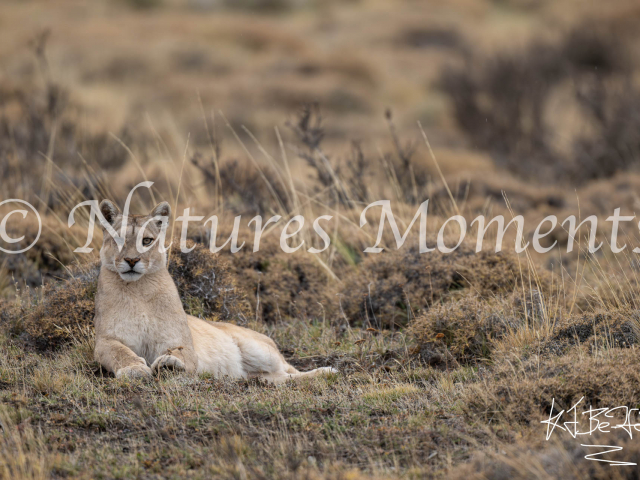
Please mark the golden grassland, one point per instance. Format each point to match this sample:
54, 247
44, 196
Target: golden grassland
448, 362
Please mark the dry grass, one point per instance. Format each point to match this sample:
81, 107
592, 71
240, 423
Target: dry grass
24, 453
448, 362
398, 286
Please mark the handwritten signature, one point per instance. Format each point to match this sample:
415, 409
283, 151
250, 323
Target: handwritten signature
603, 420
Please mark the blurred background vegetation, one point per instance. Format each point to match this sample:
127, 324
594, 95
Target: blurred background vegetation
319, 107
301, 106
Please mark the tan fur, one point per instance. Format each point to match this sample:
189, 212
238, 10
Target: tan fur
141, 326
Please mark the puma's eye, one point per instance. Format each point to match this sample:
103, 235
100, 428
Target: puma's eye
147, 241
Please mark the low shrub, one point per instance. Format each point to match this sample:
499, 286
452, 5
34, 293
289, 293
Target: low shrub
458, 332
56, 314
391, 288
282, 285
520, 393
63, 311
602, 329
208, 286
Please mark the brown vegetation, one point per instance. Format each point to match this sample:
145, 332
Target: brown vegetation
390, 289
448, 362
207, 286
281, 285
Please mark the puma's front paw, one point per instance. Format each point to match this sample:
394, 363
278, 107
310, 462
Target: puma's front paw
134, 371
167, 361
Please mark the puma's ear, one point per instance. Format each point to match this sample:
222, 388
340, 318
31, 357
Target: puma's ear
162, 210
109, 211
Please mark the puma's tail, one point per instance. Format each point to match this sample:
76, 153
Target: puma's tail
312, 373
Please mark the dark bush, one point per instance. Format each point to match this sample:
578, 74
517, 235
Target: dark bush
46, 123
390, 288
615, 146
459, 332
207, 285
283, 285
602, 329
65, 310
499, 103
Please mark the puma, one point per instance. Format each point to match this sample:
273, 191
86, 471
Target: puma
141, 326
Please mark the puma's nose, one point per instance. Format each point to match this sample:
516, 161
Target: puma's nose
132, 261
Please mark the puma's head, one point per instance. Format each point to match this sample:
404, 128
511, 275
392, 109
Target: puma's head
132, 261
